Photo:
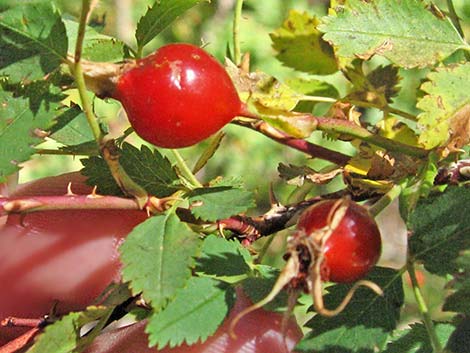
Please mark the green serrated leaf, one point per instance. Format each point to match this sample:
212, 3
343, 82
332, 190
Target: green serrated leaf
159, 17
97, 46
157, 257
71, 127
300, 46
215, 203
364, 324
440, 226
64, 335
416, 339
405, 32
33, 41
21, 121
147, 168
224, 259
196, 312
445, 107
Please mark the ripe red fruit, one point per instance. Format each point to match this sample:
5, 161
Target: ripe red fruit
354, 245
58, 257
177, 96
258, 332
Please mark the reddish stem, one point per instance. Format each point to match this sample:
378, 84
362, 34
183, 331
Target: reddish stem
21, 322
64, 202
20, 342
299, 144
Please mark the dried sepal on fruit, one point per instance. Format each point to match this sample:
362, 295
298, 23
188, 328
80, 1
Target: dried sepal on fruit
335, 240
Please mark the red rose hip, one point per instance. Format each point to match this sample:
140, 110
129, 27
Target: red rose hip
177, 96
352, 247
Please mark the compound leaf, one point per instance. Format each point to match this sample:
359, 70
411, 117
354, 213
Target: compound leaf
405, 32
446, 108
158, 256
33, 41
196, 312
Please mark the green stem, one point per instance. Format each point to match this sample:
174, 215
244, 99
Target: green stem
385, 200
46, 151
79, 78
423, 308
454, 17
353, 130
236, 32
108, 149
389, 109
185, 170
402, 113
139, 53
86, 104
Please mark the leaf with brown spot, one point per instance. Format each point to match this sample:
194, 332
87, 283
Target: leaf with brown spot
444, 121
405, 32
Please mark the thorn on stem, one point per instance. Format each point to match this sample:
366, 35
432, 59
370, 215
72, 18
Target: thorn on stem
69, 189
94, 194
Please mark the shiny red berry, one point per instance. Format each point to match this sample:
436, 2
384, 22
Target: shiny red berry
353, 244
177, 96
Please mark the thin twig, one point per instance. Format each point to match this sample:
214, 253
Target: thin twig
301, 145
454, 17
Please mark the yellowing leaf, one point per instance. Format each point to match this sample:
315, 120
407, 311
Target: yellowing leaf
446, 107
391, 128
262, 89
300, 46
